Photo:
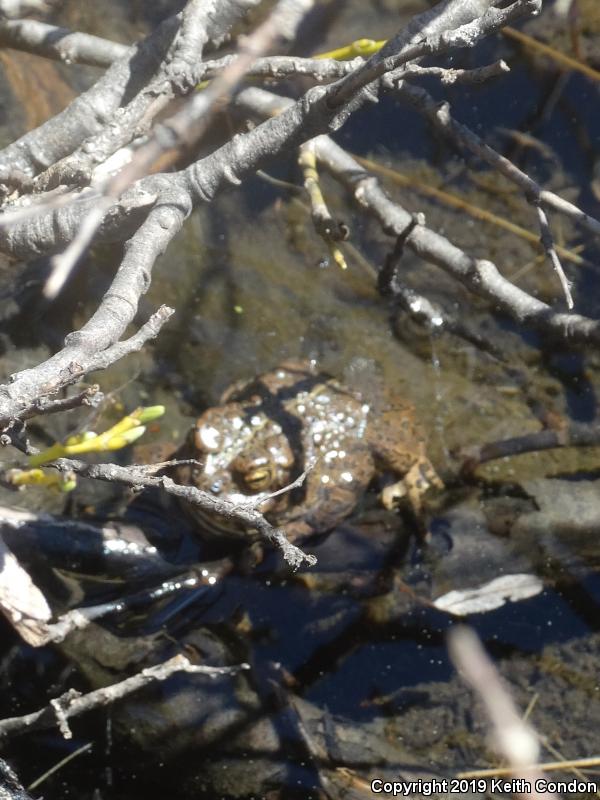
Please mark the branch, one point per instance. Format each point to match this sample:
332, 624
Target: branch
548, 245
445, 27
328, 228
141, 477
93, 112
464, 137
180, 72
189, 124
425, 311
60, 44
73, 47
312, 115
92, 396
321, 110
78, 619
283, 67
72, 703
448, 76
21, 602
90, 111
21, 397
575, 434
480, 276
229, 164
11, 786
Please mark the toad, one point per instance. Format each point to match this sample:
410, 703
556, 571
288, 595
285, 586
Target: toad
270, 430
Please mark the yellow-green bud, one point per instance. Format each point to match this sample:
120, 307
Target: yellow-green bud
125, 438
80, 437
68, 482
148, 413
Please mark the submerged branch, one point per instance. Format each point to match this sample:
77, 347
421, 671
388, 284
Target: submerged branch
73, 703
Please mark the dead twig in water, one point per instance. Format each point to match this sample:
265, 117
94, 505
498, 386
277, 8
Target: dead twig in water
72, 703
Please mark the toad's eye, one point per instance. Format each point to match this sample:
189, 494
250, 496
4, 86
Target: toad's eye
253, 474
259, 478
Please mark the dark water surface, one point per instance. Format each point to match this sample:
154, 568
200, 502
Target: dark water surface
350, 673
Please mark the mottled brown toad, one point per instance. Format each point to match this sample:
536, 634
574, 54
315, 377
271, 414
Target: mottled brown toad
267, 432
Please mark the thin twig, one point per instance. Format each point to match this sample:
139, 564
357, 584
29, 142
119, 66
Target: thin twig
56, 767
548, 766
448, 76
72, 703
189, 124
182, 129
62, 265
289, 487
479, 275
61, 44
92, 396
403, 48
329, 229
547, 241
140, 477
562, 59
440, 115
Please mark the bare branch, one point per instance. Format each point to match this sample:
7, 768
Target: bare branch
92, 396
313, 114
282, 67
140, 477
445, 27
188, 125
180, 73
63, 264
575, 434
480, 276
151, 70
426, 311
73, 47
11, 785
449, 76
329, 229
60, 44
21, 601
79, 619
90, 111
73, 703
464, 137
22, 396
548, 245
320, 109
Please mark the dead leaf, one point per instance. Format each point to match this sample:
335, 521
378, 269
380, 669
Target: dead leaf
507, 588
21, 601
